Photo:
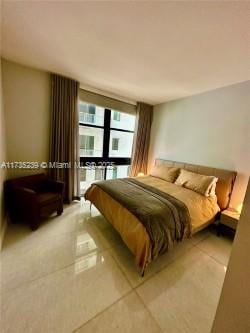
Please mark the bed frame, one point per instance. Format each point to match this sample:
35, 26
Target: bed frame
135, 237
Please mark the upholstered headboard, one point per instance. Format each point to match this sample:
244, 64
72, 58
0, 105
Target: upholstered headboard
225, 182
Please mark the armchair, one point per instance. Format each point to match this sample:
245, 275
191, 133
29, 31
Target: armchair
30, 198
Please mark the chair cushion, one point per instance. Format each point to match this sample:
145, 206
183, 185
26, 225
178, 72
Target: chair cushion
45, 198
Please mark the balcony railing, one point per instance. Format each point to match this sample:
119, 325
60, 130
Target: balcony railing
88, 176
85, 117
86, 152
90, 152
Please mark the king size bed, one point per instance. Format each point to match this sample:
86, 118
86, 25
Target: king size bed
152, 213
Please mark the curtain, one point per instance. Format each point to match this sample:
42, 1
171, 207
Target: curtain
64, 139
139, 160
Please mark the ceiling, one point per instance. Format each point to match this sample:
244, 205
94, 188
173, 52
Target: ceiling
151, 51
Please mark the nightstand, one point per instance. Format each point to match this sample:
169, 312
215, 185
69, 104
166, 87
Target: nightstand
229, 218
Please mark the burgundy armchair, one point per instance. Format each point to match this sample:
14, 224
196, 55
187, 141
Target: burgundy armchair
31, 198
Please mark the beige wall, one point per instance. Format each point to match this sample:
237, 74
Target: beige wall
2, 158
211, 129
26, 102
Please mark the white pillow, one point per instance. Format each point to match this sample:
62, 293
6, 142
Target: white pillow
202, 184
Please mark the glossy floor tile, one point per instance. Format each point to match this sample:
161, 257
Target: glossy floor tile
34, 256
64, 300
217, 247
126, 260
75, 273
127, 315
184, 296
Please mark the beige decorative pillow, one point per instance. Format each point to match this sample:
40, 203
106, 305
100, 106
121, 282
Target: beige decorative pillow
167, 173
202, 184
212, 192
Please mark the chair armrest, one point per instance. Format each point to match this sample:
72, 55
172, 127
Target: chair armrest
55, 186
25, 195
25, 191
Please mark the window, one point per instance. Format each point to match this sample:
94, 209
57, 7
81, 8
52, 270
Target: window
91, 128
108, 139
116, 116
91, 109
88, 176
82, 175
90, 114
126, 121
124, 144
115, 143
120, 171
87, 113
87, 143
98, 173
114, 176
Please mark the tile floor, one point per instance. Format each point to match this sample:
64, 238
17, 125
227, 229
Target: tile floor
75, 275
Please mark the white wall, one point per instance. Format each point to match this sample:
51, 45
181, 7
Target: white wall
26, 103
2, 158
210, 129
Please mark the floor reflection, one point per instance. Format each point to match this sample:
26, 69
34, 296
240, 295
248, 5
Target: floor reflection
84, 244
88, 261
87, 254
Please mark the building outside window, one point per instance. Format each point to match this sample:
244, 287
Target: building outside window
116, 115
89, 113
120, 171
115, 143
105, 138
98, 174
87, 143
114, 176
83, 175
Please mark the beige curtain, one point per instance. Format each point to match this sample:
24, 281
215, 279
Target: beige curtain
139, 160
64, 140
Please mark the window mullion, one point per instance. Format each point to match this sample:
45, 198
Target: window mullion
106, 136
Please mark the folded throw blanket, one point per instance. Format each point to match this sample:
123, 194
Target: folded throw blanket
165, 218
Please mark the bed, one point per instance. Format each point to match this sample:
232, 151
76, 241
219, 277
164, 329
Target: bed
135, 205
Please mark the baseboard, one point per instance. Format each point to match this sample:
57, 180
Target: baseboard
2, 231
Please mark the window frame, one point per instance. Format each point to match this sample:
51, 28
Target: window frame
84, 161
